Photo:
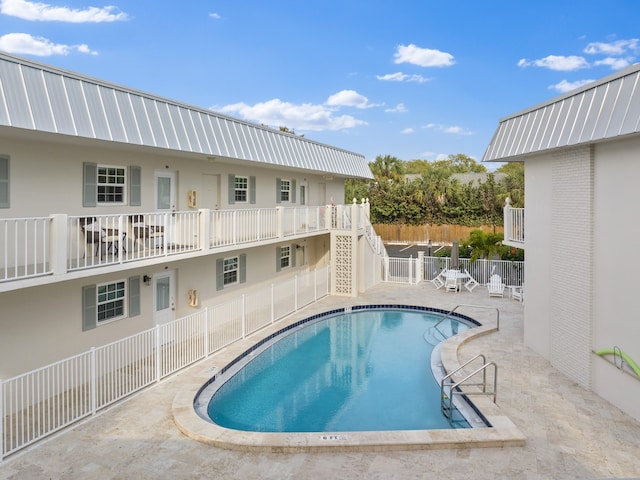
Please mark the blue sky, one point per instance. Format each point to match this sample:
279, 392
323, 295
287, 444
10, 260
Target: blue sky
416, 79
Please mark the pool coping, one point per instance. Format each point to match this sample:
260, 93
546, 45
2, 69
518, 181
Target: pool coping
502, 433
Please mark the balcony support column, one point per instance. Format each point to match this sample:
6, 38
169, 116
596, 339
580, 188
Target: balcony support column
58, 252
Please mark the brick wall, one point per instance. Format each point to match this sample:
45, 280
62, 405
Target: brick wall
571, 265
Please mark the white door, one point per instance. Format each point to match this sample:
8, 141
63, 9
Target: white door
166, 203
211, 191
164, 297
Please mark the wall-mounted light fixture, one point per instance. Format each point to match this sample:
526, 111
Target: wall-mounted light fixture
147, 280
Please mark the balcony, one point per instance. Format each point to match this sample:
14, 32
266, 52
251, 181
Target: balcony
64, 246
513, 225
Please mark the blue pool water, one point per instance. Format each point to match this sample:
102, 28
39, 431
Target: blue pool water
360, 371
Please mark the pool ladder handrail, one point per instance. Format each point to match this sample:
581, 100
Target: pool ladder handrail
452, 311
454, 387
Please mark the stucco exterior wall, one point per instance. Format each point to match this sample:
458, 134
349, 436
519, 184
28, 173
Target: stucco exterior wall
616, 264
538, 248
580, 264
57, 187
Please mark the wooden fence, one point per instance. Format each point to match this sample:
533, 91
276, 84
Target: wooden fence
438, 234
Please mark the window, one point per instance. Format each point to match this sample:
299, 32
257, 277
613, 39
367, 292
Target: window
111, 184
241, 188
230, 271
285, 190
285, 256
4, 182
105, 302
111, 301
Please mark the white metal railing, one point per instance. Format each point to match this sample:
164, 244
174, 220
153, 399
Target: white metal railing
44, 401
513, 225
60, 243
512, 272
26, 247
413, 270
109, 239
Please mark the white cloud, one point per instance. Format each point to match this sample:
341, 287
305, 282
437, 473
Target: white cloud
215, 15
423, 57
23, 43
565, 86
407, 131
349, 98
619, 47
305, 116
400, 108
402, 77
614, 63
452, 129
557, 62
43, 12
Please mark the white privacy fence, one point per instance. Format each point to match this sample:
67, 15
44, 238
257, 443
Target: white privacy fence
44, 401
418, 269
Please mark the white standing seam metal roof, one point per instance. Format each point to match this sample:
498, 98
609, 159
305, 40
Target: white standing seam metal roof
42, 98
601, 110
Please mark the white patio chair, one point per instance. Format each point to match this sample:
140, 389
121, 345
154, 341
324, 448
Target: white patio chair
517, 293
471, 283
451, 281
496, 286
438, 280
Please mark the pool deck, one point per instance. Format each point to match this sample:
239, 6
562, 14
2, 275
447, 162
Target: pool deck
568, 432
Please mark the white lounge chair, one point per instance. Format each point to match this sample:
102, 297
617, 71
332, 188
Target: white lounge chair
495, 286
451, 281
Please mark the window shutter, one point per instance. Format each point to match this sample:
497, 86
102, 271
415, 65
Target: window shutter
135, 186
4, 182
134, 296
243, 268
219, 274
293, 191
89, 184
232, 189
278, 190
89, 308
278, 254
252, 189
293, 255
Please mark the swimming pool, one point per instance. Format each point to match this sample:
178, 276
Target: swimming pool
370, 368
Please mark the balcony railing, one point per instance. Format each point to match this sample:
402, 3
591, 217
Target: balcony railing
58, 244
513, 225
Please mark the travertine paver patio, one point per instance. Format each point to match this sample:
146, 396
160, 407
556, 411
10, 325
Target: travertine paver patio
570, 432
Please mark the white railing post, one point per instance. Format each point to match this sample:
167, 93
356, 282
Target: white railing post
1, 421
158, 356
205, 228
206, 330
508, 221
420, 267
279, 222
93, 382
243, 300
60, 239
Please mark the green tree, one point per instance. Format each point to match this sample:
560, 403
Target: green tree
484, 245
387, 169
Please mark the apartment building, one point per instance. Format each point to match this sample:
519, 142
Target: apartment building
121, 210
580, 153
